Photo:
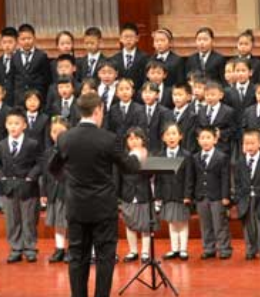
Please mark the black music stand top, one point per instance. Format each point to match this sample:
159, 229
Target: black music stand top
161, 165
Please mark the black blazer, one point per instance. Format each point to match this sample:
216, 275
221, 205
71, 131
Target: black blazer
90, 192
175, 67
53, 188
255, 64
82, 67
74, 116
212, 182
136, 72
224, 121
40, 131
37, 77
3, 113
244, 185
135, 117
6, 80
15, 169
250, 119
215, 65
176, 186
187, 123
155, 127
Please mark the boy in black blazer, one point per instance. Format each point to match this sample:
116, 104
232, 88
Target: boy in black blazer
130, 60
19, 171
212, 192
4, 109
31, 68
218, 115
8, 44
251, 119
247, 192
87, 66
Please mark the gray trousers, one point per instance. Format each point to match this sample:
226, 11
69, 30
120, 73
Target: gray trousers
21, 224
214, 227
251, 229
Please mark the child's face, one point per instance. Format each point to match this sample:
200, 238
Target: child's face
244, 46
199, 91
107, 75
257, 94
242, 73
204, 42
56, 130
8, 44
180, 97
65, 44
251, 144
172, 137
230, 75
32, 103
2, 94
134, 141
207, 140
156, 75
129, 39
86, 89
65, 90
92, 44
149, 97
15, 125
26, 40
161, 42
65, 68
124, 91
213, 96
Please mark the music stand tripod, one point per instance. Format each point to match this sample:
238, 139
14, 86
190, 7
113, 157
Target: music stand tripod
155, 165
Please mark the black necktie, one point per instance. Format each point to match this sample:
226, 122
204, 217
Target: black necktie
7, 64
160, 58
241, 93
14, 147
203, 62
250, 165
27, 63
204, 158
175, 116
209, 114
65, 112
149, 115
129, 61
172, 154
31, 121
91, 63
123, 110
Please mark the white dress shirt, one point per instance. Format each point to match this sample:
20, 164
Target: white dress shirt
126, 105
180, 111
254, 164
215, 111
163, 56
111, 93
209, 155
69, 100
19, 141
172, 152
23, 55
126, 53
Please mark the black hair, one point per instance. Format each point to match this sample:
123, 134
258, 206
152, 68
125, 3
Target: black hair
130, 26
91, 82
251, 132
88, 103
93, 31
169, 124
17, 111
193, 74
155, 64
211, 84
138, 132
128, 80
58, 119
150, 85
167, 32
67, 33
107, 63
26, 28
247, 33
206, 30
65, 79
184, 86
66, 57
31, 93
244, 61
10, 32
211, 129
200, 80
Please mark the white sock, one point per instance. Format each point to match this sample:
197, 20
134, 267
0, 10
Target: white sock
60, 238
174, 236
145, 243
132, 240
184, 235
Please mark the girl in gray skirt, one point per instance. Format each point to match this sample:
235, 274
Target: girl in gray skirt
53, 193
136, 192
175, 192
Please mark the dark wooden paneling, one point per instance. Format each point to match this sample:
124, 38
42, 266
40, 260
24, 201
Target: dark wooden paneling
2, 14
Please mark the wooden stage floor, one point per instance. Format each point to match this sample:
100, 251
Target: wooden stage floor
194, 278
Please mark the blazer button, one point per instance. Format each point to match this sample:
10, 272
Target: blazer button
205, 183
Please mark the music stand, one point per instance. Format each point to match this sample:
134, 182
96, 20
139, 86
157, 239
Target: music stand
155, 165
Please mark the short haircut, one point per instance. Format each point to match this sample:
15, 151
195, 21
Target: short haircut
200, 80
127, 80
31, 93
151, 86
153, 64
66, 57
58, 119
211, 84
194, 74
167, 32
26, 28
252, 132
186, 87
9, 32
17, 111
249, 34
65, 79
88, 103
93, 31
130, 26
91, 82
211, 129
244, 61
206, 30
169, 124
138, 132
108, 63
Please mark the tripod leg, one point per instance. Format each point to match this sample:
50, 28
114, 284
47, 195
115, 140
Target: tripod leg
134, 278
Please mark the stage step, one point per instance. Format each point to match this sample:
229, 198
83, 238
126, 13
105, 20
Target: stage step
47, 232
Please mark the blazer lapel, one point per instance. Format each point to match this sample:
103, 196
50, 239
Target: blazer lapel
219, 115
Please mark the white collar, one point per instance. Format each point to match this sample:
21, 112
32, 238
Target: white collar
209, 153
215, 107
102, 86
32, 114
205, 55
244, 85
132, 52
163, 56
181, 110
255, 157
94, 56
19, 139
69, 100
88, 121
174, 151
32, 50
125, 104
152, 107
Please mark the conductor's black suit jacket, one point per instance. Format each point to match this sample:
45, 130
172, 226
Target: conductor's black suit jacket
87, 154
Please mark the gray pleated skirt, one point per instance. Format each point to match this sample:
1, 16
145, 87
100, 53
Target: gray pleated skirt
56, 214
137, 216
174, 212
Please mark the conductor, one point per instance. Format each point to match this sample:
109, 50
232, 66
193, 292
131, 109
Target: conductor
86, 154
